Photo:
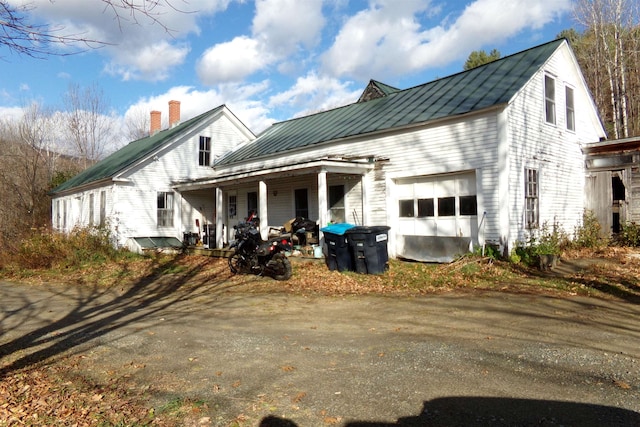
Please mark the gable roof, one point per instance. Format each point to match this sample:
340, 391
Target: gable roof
376, 89
130, 154
489, 85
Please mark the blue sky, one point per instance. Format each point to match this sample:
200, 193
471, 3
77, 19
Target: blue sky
267, 60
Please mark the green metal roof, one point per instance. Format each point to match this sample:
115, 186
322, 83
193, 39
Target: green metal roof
482, 87
129, 154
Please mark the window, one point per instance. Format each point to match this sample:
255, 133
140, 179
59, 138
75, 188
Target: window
531, 198
58, 214
446, 206
336, 203
165, 209
233, 205
252, 202
468, 205
301, 203
425, 207
204, 153
571, 114
550, 99
406, 208
103, 208
91, 203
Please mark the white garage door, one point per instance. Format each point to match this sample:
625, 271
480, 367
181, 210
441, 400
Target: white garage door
438, 205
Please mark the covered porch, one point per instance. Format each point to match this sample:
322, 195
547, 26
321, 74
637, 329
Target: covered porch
323, 191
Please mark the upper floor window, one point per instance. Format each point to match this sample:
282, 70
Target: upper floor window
204, 152
571, 114
550, 99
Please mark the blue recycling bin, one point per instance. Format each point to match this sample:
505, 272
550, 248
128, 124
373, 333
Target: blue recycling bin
338, 252
368, 247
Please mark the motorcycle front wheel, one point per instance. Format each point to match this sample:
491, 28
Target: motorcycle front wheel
238, 263
282, 268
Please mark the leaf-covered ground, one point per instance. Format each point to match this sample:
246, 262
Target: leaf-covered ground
51, 395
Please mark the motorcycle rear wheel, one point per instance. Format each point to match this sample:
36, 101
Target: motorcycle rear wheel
238, 263
283, 267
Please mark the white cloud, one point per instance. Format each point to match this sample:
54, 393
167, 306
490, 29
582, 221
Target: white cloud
280, 28
193, 102
231, 61
152, 62
283, 25
313, 93
389, 38
138, 45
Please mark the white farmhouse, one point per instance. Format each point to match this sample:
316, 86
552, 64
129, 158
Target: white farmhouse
483, 156
132, 191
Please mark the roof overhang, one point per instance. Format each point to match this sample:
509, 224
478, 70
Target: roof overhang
346, 165
613, 146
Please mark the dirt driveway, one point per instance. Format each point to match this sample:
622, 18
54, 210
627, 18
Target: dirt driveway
281, 359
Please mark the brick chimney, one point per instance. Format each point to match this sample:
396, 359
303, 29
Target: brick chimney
174, 113
156, 122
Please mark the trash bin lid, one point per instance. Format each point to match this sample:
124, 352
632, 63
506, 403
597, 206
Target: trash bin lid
339, 228
368, 229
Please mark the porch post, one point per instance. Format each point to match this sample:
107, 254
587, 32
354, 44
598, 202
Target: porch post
323, 214
219, 218
262, 210
365, 200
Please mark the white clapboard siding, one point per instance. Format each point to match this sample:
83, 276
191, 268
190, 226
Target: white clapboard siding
551, 149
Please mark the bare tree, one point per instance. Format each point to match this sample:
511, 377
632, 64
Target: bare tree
89, 123
21, 35
137, 124
612, 26
27, 164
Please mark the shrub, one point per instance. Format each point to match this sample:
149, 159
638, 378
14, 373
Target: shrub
629, 234
547, 241
588, 234
46, 249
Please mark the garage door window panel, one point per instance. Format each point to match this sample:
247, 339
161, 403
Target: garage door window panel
446, 206
426, 208
406, 208
468, 205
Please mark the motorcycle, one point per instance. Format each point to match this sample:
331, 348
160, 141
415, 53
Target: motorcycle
252, 255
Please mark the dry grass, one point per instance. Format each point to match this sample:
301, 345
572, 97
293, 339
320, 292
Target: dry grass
48, 395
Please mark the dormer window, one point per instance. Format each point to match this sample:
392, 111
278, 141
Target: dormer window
550, 99
204, 152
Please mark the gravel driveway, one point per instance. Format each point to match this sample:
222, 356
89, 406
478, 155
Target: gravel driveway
280, 359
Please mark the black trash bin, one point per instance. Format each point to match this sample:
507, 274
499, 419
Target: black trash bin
338, 252
369, 248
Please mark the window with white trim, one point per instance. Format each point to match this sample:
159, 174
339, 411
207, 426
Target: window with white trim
165, 209
91, 208
550, 99
103, 208
570, 108
531, 209
204, 151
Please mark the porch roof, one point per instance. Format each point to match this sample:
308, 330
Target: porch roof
483, 87
329, 165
